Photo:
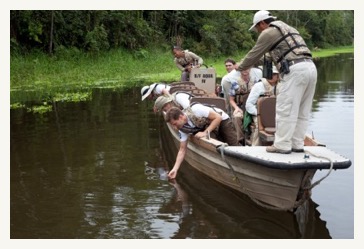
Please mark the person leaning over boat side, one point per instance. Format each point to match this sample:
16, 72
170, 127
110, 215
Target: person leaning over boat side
185, 60
235, 85
178, 99
293, 59
154, 90
199, 120
264, 87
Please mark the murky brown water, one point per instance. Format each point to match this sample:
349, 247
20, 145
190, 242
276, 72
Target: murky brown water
96, 169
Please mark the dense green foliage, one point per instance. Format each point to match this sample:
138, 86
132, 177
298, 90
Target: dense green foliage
206, 32
58, 55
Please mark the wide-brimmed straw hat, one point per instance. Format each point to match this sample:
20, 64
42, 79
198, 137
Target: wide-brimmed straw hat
147, 90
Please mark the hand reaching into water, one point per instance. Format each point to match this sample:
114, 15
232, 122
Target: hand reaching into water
172, 174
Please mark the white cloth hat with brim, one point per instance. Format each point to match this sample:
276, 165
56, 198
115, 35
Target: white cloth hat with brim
161, 101
147, 90
261, 15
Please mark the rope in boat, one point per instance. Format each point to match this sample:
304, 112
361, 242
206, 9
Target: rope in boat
311, 186
306, 191
243, 188
231, 167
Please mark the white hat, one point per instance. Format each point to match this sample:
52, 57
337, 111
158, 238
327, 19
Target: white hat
274, 69
146, 90
161, 101
261, 15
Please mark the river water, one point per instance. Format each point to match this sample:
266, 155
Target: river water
96, 170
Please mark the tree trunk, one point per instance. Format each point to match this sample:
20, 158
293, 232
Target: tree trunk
50, 48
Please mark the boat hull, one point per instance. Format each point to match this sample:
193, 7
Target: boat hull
273, 188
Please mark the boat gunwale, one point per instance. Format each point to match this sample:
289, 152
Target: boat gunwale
286, 166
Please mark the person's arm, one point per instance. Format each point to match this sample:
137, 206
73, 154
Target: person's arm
179, 66
180, 157
264, 42
215, 119
251, 102
197, 58
234, 105
165, 91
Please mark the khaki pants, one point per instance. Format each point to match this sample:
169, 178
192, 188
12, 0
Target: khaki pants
255, 133
227, 133
185, 76
293, 107
238, 124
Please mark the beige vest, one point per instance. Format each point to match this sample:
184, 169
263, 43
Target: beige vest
269, 89
292, 40
199, 122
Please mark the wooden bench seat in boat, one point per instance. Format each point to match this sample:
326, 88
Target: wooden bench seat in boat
266, 118
182, 83
188, 89
216, 101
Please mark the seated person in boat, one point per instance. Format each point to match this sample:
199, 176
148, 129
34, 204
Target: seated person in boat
235, 85
200, 121
230, 66
154, 90
178, 99
256, 72
185, 60
264, 87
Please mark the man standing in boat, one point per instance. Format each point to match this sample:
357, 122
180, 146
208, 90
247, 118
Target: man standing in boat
293, 59
185, 60
201, 121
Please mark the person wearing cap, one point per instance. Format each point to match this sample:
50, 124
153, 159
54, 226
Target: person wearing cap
178, 99
290, 54
200, 121
264, 87
185, 60
154, 89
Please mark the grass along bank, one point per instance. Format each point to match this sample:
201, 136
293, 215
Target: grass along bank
70, 75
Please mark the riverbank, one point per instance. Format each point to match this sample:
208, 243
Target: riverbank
70, 75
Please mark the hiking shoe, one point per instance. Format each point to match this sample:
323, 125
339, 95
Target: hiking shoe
272, 149
298, 150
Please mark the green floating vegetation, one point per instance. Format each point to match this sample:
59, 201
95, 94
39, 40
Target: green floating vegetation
72, 97
46, 105
40, 108
17, 105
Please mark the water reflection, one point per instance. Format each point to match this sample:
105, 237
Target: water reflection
335, 76
96, 169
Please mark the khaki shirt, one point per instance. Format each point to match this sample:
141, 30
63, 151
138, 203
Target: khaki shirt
189, 58
265, 41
